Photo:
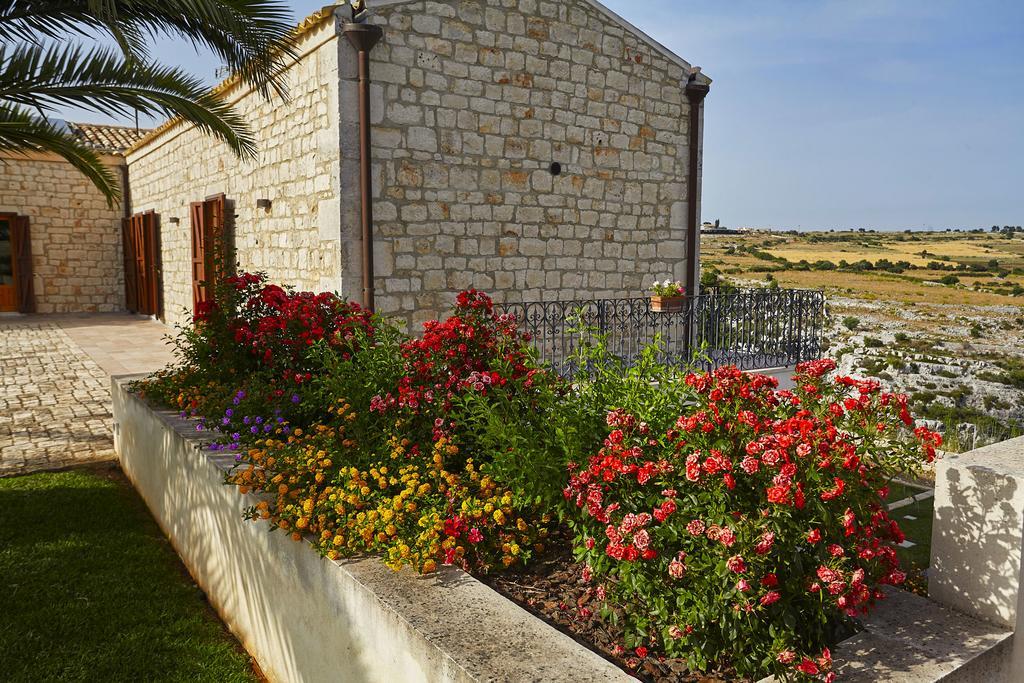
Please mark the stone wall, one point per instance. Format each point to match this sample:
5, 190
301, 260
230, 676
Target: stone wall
76, 237
479, 98
296, 242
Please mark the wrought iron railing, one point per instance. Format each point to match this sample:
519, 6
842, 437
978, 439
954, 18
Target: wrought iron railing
753, 329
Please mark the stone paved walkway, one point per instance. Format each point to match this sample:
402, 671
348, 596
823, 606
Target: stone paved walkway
54, 385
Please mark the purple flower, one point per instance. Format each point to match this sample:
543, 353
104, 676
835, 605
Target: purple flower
225, 421
235, 436
259, 420
267, 428
295, 398
236, 400
246, 420
229, 412
254, 429
200, 427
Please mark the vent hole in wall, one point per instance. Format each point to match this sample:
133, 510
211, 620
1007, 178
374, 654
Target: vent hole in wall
555, 168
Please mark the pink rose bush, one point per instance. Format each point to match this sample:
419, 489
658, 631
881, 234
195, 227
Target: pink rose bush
747, 530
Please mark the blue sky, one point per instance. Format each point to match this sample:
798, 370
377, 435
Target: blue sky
853, 113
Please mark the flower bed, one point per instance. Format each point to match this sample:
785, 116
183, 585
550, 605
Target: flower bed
724, 523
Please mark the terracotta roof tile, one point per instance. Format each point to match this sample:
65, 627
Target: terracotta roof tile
104, 138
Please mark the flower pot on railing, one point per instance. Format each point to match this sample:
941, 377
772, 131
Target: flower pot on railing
667, 304
668, 297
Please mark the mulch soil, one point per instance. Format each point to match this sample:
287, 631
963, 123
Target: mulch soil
551, 588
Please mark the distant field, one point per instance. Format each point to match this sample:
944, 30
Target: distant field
989, 268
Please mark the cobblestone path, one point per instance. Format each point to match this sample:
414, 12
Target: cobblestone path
54, 397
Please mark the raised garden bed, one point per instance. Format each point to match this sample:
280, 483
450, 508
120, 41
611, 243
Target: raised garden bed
303, 617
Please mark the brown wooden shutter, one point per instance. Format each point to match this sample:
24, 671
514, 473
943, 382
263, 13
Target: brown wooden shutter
131, 300
198, 254
21, 244
152, 261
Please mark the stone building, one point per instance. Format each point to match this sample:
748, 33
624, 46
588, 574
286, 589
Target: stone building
533, 149
67, 236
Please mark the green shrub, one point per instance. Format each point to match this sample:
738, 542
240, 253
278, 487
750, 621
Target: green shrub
851, 323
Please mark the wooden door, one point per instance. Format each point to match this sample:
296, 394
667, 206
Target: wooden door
198, 255
8, 287
212, 246
141, 239
17, 291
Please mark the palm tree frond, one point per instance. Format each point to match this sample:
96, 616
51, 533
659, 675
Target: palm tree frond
45, 78
22, 132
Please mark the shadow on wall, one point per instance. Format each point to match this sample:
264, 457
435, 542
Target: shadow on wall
976, 541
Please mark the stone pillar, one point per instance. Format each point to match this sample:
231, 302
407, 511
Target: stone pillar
977, 538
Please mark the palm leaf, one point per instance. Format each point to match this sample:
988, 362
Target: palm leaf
253, 37
101, 80
22, 132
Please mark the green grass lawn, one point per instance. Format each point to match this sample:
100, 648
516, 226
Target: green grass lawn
917, 530
90, 590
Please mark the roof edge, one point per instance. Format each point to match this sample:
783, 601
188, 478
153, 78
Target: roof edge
614, 16
304, 27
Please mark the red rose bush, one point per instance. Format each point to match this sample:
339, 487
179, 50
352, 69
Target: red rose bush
749, 528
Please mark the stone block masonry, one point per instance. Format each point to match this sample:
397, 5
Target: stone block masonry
472, 103
76, 237
298, 241
479, 98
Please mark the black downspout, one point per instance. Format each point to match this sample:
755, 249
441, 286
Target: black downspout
363, 37
696, 91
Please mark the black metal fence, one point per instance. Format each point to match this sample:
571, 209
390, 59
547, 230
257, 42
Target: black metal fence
753, 329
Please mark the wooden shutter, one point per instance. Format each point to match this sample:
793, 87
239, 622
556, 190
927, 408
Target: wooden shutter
152, 262
139, 265
21, 244
199, 232
131, 300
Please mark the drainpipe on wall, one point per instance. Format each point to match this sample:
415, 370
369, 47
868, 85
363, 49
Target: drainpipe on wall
126, 193
696, 91
363, 37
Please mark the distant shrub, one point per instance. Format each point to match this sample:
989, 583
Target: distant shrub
851, 323
949, 280
902, 337
873, 343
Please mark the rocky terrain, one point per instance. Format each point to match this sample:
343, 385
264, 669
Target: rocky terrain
962, 366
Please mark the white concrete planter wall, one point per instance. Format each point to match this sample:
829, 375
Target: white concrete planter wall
305, 618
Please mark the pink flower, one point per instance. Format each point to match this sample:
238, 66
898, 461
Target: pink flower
736, 564
675, 632
743, 585
770, 598
750, 464
835, 550
814, 536
696, 527
727, 537
764, 545
641, 539
786, 656
475, 536
676, 569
